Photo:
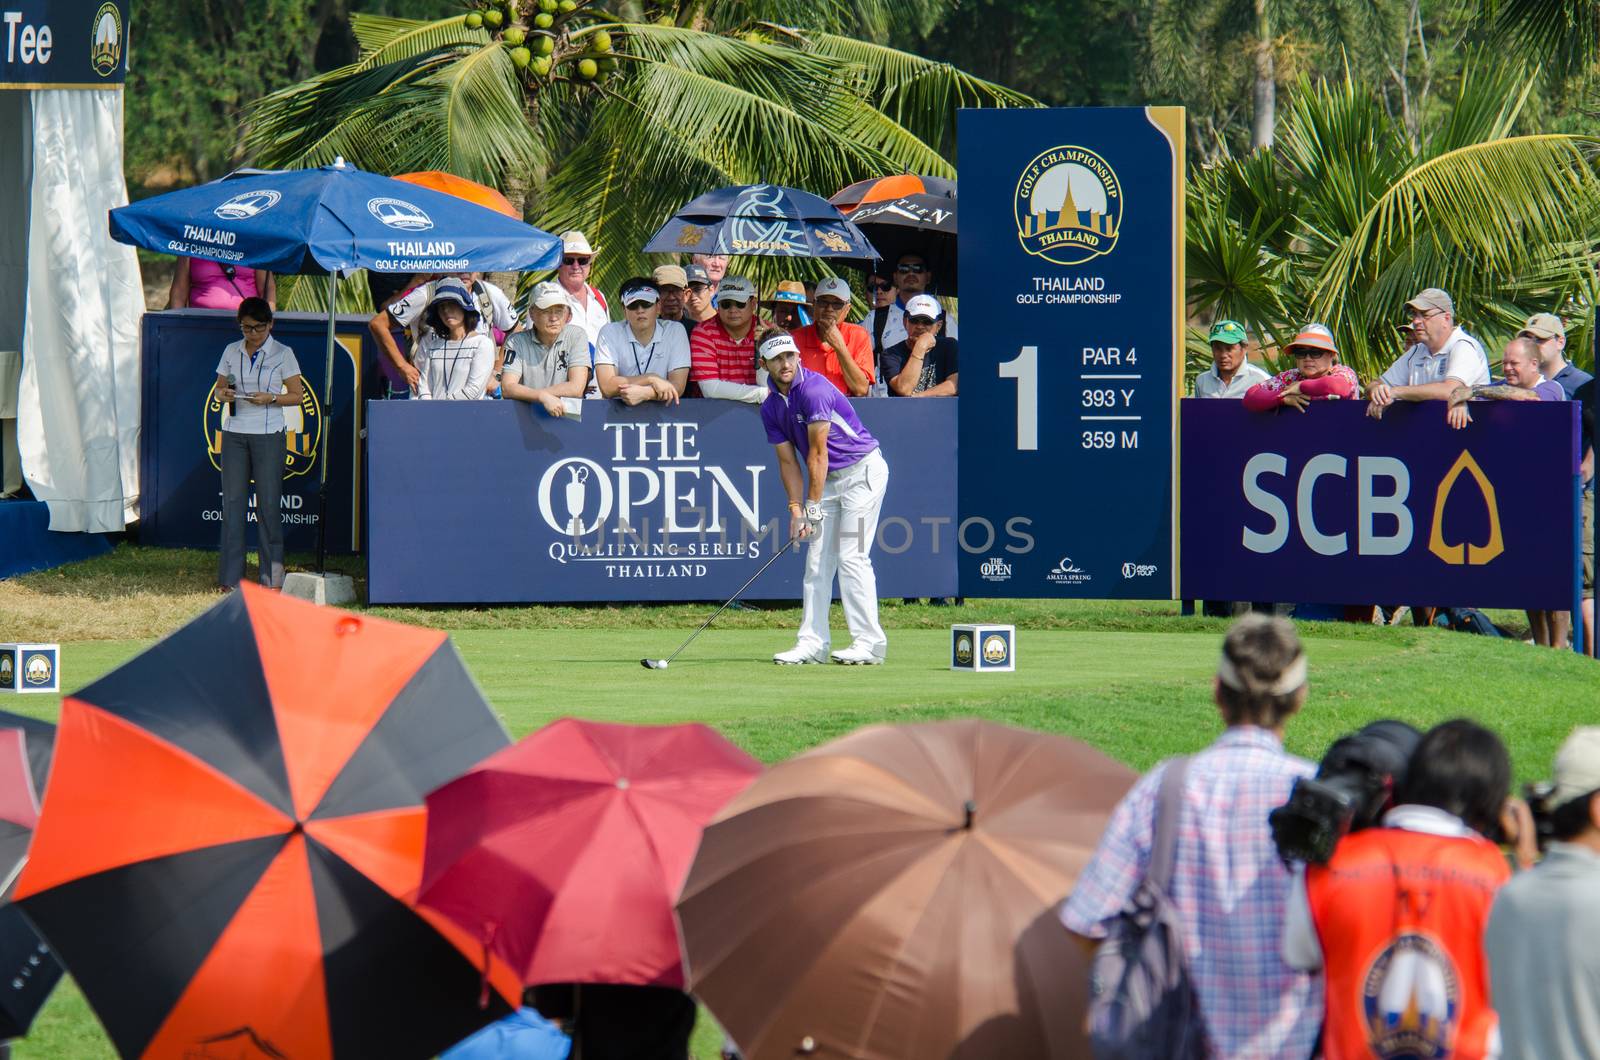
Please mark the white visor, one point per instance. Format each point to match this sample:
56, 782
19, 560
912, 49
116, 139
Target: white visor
777, 346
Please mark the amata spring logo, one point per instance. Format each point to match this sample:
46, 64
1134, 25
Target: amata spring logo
1068, 206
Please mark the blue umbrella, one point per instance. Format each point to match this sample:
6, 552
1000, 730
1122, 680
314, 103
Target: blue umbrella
331, 221
763, 220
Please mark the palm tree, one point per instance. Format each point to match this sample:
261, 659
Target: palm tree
608, 122
1344, 219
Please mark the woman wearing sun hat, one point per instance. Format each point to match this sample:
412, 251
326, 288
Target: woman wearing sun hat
454, 359
1316, 376
1231, 372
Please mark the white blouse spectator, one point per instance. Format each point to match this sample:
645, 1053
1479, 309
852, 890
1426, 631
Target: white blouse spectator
454, 359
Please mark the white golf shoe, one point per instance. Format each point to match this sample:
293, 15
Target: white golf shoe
799, 655
857, 655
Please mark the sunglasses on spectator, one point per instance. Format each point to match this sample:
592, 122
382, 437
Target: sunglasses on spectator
830, 303
729, 303
880, 285
254, 329
908, 267
638, 307
699, 288
570, 260
921, 320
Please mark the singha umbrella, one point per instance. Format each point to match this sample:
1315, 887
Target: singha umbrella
762, 220
233, 828
565, 852
892, 896
331, 221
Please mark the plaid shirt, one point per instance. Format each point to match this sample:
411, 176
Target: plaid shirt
1229, 888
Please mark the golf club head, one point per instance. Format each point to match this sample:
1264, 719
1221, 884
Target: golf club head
653, 664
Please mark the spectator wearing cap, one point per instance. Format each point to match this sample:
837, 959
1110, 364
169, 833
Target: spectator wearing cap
589, 309
788, 305
454, 358
1316, 376
1550, 336
1231, 373
912, 276
1543, 939
838, 351
671, 280
642, 357
550, 360
1444, 357
924, 365
697, 297
716, 266
722, 351
404, 313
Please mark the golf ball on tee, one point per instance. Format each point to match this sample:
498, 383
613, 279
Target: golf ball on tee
661, 664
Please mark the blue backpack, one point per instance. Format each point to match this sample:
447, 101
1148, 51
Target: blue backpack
1141, 1000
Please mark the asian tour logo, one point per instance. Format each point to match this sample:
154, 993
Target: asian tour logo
105, 49
397, 213
1411, 999
1068, 206
247, 204
302, 431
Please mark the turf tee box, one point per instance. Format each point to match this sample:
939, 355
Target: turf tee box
30, 668
983, 648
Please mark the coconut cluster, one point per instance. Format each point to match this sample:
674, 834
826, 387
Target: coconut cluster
542, 35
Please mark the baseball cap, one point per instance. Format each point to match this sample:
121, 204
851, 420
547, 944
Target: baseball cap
575, 242
695, 274
833, 287
924, 305
1315, 337
789, 292
548, 294
1544, 326
774, 345
1229, 331
670, 276
1432, 299
452, 291
646, 292
736, 288
1577, 769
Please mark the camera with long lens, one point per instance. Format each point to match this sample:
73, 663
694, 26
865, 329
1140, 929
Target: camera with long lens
1354, 785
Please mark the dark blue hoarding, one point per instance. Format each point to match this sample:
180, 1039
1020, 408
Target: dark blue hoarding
63, 43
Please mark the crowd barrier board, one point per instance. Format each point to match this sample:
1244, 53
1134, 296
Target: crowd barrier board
1333, 507
498, 502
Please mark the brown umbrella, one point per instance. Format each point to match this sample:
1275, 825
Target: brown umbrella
891, 896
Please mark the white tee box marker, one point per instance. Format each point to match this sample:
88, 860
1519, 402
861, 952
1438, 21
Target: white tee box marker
982, 647
30, 668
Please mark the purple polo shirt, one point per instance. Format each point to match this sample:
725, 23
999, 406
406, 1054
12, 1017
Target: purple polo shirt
812, 399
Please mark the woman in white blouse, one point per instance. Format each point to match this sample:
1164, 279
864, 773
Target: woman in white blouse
454, 362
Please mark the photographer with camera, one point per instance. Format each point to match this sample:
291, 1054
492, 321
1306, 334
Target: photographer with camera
1543, 940
1395, 918
1227, 883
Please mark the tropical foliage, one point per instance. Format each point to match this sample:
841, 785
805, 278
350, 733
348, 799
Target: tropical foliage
1346, 217
607, 123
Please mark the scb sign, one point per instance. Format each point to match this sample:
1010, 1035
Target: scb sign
1333, 507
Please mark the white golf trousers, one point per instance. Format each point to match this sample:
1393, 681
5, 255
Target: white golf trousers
851, 501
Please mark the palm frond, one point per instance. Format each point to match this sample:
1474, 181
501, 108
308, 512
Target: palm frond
1565, 33
386, 40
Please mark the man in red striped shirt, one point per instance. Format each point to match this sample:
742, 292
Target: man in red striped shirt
722, 350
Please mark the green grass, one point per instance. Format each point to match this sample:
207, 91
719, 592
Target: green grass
1132, 679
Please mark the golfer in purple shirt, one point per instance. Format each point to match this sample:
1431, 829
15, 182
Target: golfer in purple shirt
833, 503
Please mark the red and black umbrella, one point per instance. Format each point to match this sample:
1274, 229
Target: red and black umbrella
233, 829
566, 852
907, 215
883, 189
27, 968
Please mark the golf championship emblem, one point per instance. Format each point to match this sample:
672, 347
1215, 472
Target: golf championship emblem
1068, 206
963, 649
995, 649
30, 668
302, 431
1412, 997
37, 669
983, 648
105, 49
8, 669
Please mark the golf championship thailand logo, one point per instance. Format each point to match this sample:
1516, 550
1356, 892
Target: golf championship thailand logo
397, 213
247, 204
105, 49
1068, 206
37, 669
302, 431
1411, 997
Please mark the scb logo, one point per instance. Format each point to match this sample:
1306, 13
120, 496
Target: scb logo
302, 432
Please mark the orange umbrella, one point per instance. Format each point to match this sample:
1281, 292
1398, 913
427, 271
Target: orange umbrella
462, 188
892, 896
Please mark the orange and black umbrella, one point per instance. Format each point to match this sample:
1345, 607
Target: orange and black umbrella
883, 189
462, 188
907, 215
27, 967
233, 831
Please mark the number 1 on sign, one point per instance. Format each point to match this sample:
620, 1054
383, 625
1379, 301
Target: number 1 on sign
1024, 368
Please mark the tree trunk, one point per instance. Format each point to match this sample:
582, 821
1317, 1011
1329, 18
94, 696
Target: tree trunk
1266, 88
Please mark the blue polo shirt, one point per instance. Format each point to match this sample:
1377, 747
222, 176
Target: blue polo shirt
1570, 379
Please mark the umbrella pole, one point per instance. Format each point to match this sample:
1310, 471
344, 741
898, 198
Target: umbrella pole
327, 432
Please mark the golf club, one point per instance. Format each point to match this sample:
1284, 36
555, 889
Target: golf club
661, 664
